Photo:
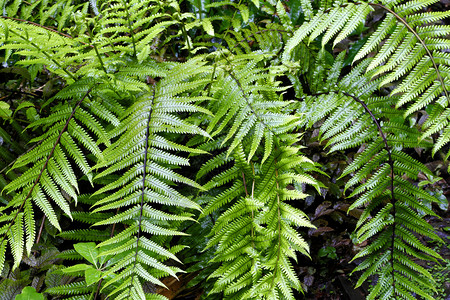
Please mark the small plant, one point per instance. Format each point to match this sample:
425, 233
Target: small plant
327, 252
29, 293
441, 274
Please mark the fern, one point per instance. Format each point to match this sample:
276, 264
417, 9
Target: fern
149, 94
254, 235
390, 218
49, 174
145, 186
411, 54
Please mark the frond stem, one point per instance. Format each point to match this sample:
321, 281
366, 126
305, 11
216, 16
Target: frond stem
97, 292
279, 228
95, 48
391, 164
410, 29
40, 230
253, 198
141, 210
251, 214
130, 27
188, 43
232, 18
245, 184
212, 79
403, 21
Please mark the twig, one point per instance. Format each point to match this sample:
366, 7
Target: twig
40, 230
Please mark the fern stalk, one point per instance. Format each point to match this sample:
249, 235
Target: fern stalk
141, 208
130, 28
391, 165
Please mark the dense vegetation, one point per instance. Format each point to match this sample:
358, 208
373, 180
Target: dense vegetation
144, 139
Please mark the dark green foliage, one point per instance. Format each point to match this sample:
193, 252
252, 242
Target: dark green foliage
161, 117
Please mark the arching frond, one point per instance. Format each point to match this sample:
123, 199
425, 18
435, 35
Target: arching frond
145, 186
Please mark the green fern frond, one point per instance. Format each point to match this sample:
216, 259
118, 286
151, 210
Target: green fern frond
391, 203
49, 176
148, 174
409, 54
254, 235
129, 140
75, 288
